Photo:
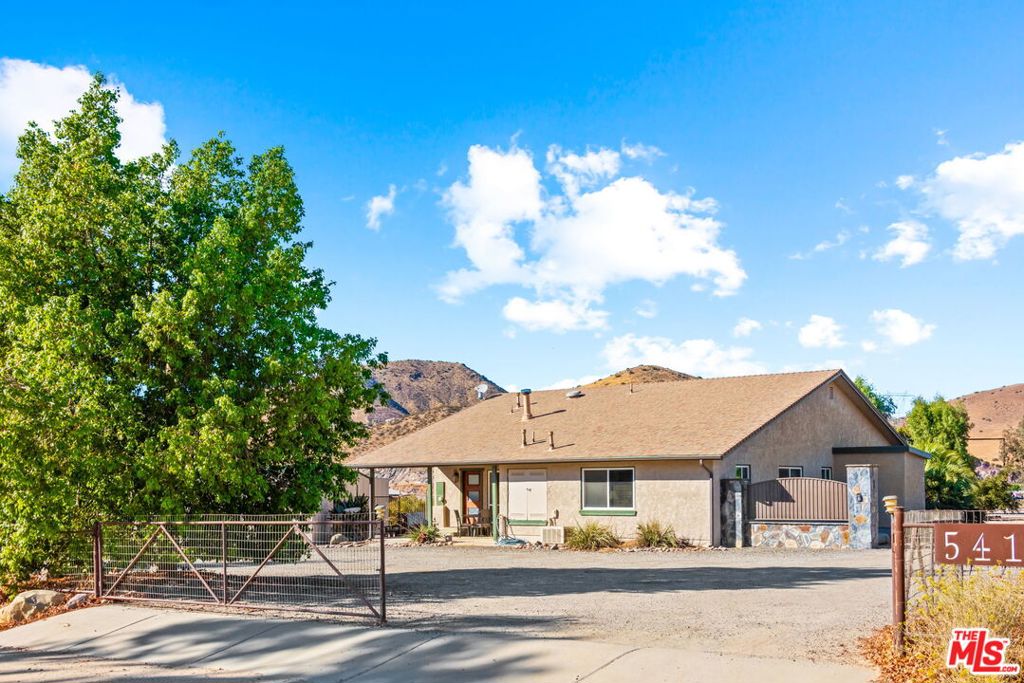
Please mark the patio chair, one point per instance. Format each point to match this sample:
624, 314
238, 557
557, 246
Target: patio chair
465, 528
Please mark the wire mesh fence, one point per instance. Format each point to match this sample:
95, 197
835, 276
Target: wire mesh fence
331, 564
920, 566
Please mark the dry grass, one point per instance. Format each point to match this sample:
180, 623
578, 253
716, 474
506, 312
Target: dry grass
981, 599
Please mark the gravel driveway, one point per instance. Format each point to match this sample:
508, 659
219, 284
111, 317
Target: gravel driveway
793, 604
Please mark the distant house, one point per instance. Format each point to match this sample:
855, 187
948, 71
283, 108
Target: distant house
517, 463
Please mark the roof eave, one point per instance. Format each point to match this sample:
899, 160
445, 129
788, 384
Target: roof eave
537, 461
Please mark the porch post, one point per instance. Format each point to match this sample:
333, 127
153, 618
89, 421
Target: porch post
494, 502
430, 496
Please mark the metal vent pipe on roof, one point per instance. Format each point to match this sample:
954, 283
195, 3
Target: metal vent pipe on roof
527, 411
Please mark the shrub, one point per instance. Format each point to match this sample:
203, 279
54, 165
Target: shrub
982, 598
424, 533
654, 535
591, 536
399, 507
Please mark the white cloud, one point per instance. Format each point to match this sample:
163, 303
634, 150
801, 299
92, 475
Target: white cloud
600, 230
647, 309
569, 382
695, 356
641, 151
380, 206
910, 244
940, 137
904, 181
555, 315
843, 206
901, 328
842, 237
41, 93
869, 346
821, 331
983, 196
745, 327
575, 171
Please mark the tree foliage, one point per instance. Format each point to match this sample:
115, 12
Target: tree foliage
159, 346
941, 428
883, 402
1011, 452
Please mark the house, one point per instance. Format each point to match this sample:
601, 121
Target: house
515, 463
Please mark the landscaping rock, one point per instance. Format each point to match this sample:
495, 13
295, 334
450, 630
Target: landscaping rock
30, 603
77, 600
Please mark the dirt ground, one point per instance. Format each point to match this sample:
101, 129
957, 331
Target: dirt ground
793, 604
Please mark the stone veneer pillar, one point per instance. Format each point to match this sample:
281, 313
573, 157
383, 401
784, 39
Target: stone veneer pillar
862, 503
733, 522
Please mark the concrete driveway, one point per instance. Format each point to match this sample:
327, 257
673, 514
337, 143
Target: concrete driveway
123, 643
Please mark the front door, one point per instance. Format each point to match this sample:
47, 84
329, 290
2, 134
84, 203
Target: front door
472, 494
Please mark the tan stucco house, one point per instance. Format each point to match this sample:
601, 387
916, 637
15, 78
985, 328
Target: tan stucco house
521, 463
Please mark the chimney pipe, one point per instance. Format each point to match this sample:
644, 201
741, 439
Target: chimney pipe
551, 441
527, 412
524, 438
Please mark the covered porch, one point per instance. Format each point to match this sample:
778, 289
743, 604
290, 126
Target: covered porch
460, 500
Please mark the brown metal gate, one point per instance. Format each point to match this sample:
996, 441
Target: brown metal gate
797, 499
332, 565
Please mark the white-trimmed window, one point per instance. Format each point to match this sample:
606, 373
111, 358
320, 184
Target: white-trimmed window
826, 472
608, 488
742, 472
790, 471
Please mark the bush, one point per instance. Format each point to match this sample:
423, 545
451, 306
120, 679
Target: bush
399, 508
591, 536
654, 535
982, 598
424, 533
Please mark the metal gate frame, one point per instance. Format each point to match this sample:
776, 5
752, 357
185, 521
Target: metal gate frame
378, 612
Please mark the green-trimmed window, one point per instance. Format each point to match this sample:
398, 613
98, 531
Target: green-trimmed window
608, 488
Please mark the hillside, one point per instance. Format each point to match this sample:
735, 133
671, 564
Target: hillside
417, 386
642, 374
992, 412
422, 392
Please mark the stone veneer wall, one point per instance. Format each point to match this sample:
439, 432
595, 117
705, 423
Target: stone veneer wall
795, 535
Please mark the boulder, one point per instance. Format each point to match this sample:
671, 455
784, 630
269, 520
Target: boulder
77, 600
30, 603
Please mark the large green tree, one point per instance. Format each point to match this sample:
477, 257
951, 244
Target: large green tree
883, 402
159, 346
941, 428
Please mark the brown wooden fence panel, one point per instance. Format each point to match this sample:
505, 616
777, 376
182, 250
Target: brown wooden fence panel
802, 499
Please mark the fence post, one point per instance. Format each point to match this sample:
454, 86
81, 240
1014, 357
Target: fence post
224, 561
383, 579
95, 573
97, 558
899, 594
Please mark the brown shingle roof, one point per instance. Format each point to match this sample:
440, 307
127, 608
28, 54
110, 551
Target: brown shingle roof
688, 419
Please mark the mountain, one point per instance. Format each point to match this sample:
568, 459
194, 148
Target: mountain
992, 412
643, 374
422, 392
417, 386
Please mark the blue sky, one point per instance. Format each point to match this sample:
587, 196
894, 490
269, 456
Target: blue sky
616, 185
